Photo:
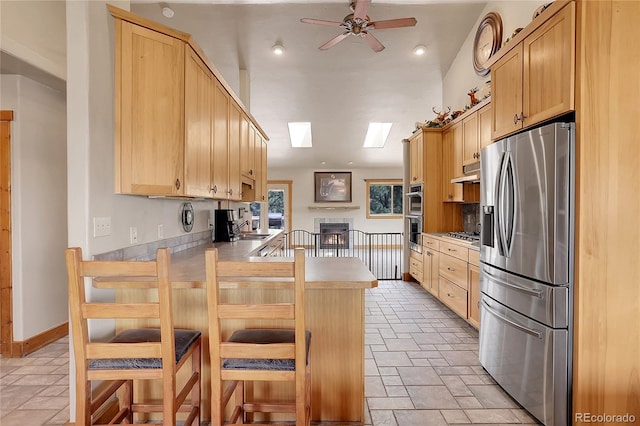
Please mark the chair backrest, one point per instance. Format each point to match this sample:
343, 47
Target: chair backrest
120, 274
254, 274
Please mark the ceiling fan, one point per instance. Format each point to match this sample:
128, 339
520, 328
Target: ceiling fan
359, 24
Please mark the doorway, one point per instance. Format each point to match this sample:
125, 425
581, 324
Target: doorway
6, 311
279, 196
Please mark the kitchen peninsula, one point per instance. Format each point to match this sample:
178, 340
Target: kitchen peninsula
334, 315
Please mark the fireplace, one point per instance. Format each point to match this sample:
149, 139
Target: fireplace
334, 236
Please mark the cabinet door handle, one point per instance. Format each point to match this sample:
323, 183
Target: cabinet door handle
251, 172
521, 118
214, 189
177, 183
230, 191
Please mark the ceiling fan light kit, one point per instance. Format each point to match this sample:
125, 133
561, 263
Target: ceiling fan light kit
359, 24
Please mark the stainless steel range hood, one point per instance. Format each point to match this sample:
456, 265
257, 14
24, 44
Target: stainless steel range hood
471, 174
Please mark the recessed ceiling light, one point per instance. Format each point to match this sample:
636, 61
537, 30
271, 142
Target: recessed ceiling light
349, 162
323, 162
377, 135
419, 50
278, 49
300, 134
167, 12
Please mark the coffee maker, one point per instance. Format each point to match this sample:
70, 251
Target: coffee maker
225, 226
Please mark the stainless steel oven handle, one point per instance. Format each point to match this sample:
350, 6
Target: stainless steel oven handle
513, 324
535, 293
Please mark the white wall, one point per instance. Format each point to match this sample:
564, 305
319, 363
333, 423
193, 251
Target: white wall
461, 75
303, 198
35, 32
38, 204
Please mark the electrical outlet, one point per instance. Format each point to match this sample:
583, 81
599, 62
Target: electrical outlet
133, 235
101, 226
160, 231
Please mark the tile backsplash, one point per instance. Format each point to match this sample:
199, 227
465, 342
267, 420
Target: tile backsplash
471, 217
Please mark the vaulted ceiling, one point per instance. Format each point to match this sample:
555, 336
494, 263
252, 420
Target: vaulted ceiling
339, 90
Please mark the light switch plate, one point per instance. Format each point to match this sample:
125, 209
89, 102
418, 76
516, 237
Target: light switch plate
160, 231
101, 226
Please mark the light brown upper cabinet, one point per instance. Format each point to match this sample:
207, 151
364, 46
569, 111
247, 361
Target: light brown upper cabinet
220, 179
179, 129
235, 132
247, 154
416, 165
534, 81
452, 139
149, 111
261, 168
476, 130
199, 87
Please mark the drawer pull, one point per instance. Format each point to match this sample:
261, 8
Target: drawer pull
449, 294
451, 270
452, 249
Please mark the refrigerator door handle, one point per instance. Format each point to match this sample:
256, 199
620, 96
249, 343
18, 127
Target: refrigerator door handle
512, 200
500, 210
514, 324
534, 293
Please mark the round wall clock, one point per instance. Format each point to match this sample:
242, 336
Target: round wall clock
487, 42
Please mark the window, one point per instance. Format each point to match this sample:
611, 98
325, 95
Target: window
384, 199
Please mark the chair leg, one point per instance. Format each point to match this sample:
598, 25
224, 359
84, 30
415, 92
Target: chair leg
127, 399
196, 367
240, 399
83, 402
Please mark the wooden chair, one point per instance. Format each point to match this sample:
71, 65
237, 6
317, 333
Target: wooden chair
257, 354
134, 354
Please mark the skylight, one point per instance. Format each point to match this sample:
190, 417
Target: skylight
377, 135
300, 134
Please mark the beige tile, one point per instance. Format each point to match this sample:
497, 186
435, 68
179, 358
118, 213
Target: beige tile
27, 417
492, 396
491, 416
420, 418
12, 397
390, 403
55, 391
61, 418
432, 397
45, 403
383, 418
455, 416
36, 379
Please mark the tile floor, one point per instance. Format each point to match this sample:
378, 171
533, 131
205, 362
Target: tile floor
421, 369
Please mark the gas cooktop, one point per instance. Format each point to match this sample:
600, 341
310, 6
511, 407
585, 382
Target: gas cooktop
465, 236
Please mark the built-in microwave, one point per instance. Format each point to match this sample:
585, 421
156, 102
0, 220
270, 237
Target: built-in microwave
414, 200
415, 232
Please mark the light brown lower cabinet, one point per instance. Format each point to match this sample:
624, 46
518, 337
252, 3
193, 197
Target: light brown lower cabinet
450, 271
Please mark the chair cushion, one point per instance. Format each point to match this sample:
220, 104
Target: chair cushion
264, 337
184, 339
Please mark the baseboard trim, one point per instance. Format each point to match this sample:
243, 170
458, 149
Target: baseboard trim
32, 344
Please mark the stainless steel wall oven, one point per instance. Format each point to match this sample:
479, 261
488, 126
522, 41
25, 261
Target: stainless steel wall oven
415, 232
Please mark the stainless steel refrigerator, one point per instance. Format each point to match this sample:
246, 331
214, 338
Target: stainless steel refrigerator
526, 272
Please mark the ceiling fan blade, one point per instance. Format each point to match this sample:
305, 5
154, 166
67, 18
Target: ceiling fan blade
334, 41
361, 9
393, 23
373, 42
321, 22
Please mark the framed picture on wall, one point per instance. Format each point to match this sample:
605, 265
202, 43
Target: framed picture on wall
332, 187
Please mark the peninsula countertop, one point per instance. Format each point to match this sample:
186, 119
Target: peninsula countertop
188, 270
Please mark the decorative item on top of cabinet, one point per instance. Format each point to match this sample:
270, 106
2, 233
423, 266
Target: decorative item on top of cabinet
149, 111
534, 80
